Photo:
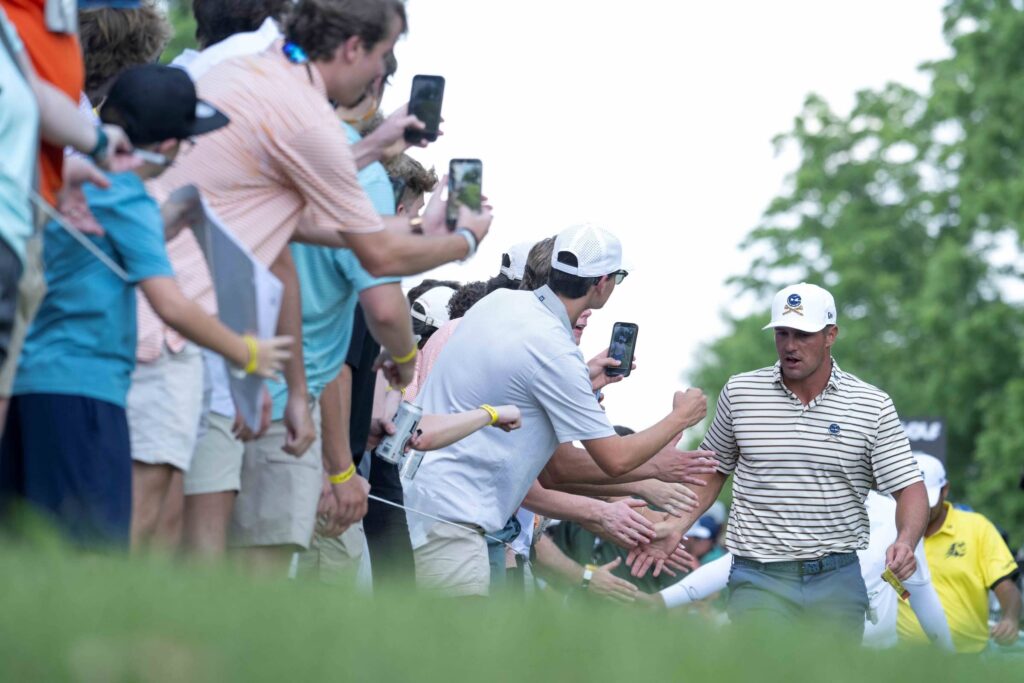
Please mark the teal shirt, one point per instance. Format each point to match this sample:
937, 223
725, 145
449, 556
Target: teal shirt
330, 281
19, 127
82, 341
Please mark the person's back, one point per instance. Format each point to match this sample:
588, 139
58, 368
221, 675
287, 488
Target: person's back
508, 350
82, 341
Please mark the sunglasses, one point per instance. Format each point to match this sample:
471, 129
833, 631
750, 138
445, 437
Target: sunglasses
619, 276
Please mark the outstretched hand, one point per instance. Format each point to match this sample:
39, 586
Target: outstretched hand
621, 524
663, 554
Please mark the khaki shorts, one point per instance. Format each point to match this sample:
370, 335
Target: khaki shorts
334, 560
31, 290
217, 464
279, 495
453, 562
165, 406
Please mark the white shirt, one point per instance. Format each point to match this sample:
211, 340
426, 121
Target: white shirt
513, 347
237, 45
880, 629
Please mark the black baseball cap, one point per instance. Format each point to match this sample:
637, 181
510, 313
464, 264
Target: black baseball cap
154, 103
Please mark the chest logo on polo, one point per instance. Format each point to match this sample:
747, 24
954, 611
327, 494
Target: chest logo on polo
794, 304
834, 431
957, 549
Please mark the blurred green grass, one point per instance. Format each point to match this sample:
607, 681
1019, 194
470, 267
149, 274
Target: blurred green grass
68, 617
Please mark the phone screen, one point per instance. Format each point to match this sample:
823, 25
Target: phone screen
621, 348
425, 104
465, 187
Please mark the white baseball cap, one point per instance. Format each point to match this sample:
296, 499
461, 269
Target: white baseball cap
934, 473
516, 258
597, 251
432, 306
804, 307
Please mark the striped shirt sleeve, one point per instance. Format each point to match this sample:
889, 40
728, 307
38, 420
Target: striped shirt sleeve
720, 437
892, 463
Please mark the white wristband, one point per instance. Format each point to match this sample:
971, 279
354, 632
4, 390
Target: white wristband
470, 238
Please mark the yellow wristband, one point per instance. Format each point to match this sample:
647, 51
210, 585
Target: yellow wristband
391, 388
344, 476
492, 412
407, 357
254, 353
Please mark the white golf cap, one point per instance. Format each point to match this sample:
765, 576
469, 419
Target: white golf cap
934, 473
597, 251
804, 307
516, 259
432, 306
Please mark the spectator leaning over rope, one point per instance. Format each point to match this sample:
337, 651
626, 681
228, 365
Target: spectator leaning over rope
535, 364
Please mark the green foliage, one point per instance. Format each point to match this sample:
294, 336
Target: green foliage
997, 468
894, 208
88, 618
180, 14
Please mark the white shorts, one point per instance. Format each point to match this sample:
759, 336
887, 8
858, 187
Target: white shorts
453, 562
217, 465
279, 494
165, 406
334, 560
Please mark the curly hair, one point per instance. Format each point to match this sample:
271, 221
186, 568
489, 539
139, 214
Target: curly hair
218, 19
464, 298
320, 26
414, 178
116, 39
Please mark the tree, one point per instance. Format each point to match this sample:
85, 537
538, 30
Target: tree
180, 14
893, 208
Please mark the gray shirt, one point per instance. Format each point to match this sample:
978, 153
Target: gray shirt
515, 348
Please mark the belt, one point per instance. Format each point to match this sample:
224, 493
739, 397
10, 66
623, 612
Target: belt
821, 565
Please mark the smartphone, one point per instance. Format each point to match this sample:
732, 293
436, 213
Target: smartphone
425, 104
465, 187
621, 348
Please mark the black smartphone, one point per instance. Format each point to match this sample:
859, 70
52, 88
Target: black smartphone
425, 104
465, 187
621, 348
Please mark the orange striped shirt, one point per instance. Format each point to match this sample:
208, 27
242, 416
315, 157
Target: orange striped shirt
283, 156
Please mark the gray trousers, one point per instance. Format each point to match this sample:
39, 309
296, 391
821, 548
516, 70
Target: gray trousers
838, 599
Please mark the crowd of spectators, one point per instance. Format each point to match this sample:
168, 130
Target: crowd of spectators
120, 428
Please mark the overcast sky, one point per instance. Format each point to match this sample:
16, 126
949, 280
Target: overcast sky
653, 119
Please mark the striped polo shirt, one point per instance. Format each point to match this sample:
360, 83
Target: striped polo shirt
801, 473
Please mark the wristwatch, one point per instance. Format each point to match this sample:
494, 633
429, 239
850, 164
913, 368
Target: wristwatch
588, 574
99, 150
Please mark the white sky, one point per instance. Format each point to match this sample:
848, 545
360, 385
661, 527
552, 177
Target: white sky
653, 119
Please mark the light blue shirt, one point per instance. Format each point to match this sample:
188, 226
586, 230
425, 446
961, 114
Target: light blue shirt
19, 128
330, 281
82, 341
